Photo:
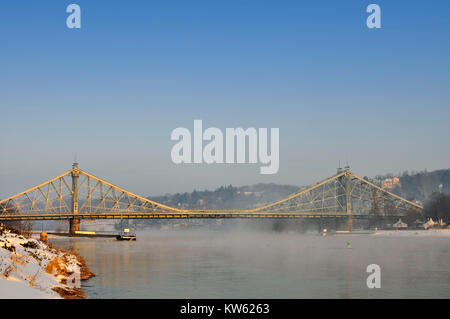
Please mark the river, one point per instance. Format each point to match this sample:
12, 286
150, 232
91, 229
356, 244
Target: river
265, 264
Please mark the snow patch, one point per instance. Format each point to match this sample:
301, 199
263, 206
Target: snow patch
30, 268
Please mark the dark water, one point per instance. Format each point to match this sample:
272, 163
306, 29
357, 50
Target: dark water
248, 264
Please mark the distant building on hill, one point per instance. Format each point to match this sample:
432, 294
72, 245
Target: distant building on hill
390, 183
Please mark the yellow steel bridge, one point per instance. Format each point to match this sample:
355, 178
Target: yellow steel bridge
77, 195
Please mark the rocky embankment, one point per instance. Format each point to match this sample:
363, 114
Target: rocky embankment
29, 268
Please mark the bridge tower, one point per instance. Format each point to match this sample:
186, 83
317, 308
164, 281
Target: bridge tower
74, 222
344, 195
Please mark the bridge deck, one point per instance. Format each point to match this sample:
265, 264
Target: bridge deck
189, 214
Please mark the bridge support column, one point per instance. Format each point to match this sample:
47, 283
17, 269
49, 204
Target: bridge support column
349, 223
74, 225
74, 222
348, 199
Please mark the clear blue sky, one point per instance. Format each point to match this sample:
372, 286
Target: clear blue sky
113, 91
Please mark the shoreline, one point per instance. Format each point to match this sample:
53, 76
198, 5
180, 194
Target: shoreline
31, 268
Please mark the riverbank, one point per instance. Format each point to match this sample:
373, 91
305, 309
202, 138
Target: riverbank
30, 268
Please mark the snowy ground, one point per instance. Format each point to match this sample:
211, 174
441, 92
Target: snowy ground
18, 289
31, 269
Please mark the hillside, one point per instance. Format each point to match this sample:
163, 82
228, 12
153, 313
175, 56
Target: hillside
228, 197
421, 185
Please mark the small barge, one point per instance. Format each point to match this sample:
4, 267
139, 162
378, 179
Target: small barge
126, 237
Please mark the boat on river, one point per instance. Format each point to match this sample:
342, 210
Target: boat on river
126, 235
129, 237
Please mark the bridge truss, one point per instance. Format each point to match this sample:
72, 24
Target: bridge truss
77, 195
347, 193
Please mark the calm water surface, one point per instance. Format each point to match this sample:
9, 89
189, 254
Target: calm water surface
224, 264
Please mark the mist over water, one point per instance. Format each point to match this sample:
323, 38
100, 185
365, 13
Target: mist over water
249, 263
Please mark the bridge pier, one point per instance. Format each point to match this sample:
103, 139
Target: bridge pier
349, 223
74, 225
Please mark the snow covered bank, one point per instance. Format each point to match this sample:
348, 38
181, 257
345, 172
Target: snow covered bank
30, 268
17, 289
